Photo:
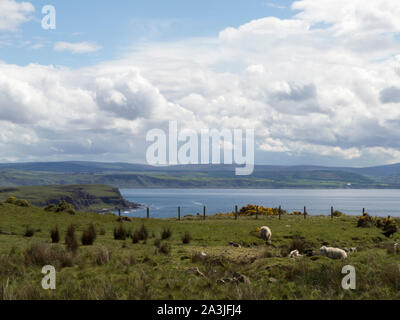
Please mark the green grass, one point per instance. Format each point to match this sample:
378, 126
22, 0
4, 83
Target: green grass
82, 197
115, 269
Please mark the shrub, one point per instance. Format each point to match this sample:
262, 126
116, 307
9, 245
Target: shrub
63, 206
337, 213
157, 243
70, 239
186, 238
143, 234
102, 232
166, 233
298, 243
366, 221
103, 256
29, 232
55, 235
17, 202
165, 248
135, 237
37, 254
120, 233
88, 236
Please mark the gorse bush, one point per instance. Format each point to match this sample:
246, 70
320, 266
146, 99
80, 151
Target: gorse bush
337, 213
166, 233
17, 202
70, 239
55, 235
366, 221
88, 236
63, 206
120, 233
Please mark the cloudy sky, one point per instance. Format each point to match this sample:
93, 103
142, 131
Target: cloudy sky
318, 80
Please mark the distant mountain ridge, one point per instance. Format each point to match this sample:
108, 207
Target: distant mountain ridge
128, 175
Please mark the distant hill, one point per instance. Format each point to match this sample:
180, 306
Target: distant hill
82, 197
127, 175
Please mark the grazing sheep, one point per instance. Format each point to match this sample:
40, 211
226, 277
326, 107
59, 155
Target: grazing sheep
333, 253
294, 253
265, 233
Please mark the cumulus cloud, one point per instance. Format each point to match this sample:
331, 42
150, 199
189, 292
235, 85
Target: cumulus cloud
13, 14
77, 47
322, 84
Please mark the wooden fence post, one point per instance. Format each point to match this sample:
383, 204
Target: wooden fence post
256, 212
305, 212
204, 213
279, 212
236, 212
331, 212
179, 213
119, 212
148, 213
363, 211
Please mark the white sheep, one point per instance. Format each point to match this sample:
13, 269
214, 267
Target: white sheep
265, 233
294, 253
333, 253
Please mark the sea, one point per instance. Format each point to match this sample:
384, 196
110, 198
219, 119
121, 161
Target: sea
164, 203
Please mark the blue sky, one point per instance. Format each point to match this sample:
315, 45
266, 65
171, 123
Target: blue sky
317, 80
116, 25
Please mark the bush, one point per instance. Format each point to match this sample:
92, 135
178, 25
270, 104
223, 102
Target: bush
88, 236
165, 248
120, 233
143, 234
186, 238
29, 232
18, 202
70, 239
366, 221
63, 206
166, 233
298, 243
337, 213
103, 256
157, 243
135, 237
55, 235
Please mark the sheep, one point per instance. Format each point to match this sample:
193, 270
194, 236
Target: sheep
333, 253
265, 233
294, 253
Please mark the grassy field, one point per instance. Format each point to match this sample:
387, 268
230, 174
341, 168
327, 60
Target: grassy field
169, 269
82, 197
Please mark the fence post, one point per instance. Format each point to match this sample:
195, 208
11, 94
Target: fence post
256, 212
305, 212
204, 213
331, 212
119, 212
236, 212
363, 211
279, 212
148, 213
179, 213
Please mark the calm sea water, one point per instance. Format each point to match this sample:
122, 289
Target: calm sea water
163, 203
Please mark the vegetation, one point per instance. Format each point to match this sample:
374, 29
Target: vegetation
58, 198
207, 267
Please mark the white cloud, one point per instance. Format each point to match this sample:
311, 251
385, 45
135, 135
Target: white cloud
322, 84
77, 47
13, 14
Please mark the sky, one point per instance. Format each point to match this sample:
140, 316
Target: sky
318, 80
